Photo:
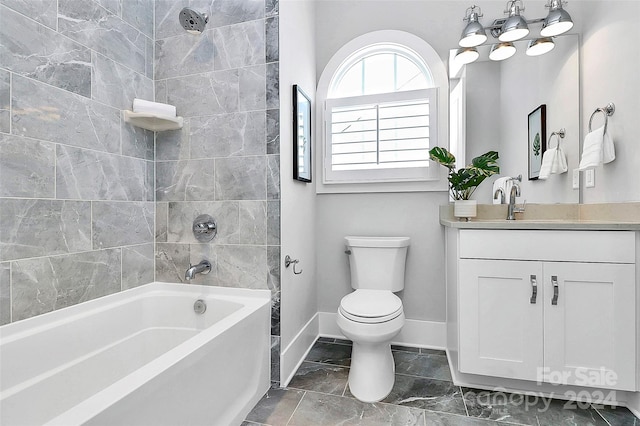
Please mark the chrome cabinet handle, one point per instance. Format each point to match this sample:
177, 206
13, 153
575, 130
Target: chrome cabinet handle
288, 261
554, 281
534, 289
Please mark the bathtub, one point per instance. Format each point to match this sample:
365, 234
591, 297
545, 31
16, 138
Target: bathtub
139, 357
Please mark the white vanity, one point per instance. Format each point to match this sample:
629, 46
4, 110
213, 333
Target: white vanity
533, 304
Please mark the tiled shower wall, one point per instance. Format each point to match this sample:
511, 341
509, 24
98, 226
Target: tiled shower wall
76, 182
225, 160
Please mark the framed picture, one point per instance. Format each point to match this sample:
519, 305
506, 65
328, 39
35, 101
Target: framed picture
537, 140
301, 135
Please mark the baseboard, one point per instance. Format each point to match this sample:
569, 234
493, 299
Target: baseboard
422, 334
292, 356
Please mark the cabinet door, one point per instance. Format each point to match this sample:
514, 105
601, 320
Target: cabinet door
590, 334
500, 329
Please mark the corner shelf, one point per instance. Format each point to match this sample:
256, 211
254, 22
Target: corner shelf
154, 122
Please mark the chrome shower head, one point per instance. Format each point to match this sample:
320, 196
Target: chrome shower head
193, 21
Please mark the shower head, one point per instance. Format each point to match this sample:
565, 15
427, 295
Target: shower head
193, 21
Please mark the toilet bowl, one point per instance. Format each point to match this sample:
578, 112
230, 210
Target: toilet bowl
372, 315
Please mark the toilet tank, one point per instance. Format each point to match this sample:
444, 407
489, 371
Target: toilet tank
377, 263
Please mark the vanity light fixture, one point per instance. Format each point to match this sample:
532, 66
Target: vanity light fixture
558, 21
540, 46
502, 51
474, 33
466, 55
515, 27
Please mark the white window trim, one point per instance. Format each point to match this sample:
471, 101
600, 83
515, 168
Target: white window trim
438, 70
332, 177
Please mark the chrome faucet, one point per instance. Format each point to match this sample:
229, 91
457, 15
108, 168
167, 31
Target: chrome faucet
515, 192
499, 193
203, 267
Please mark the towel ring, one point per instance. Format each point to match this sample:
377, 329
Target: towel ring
559, 135
607, 111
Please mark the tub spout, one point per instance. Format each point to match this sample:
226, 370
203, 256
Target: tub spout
203, 267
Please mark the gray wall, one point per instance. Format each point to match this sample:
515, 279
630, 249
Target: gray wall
76, 182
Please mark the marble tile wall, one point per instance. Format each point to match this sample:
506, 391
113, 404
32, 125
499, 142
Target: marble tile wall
76, 183
225, 161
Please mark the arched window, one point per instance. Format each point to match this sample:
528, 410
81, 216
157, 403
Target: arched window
381, 114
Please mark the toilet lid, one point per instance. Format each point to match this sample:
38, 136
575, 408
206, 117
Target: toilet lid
371, 305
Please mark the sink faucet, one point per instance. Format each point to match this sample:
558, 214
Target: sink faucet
203, 267
499, 193
515, 192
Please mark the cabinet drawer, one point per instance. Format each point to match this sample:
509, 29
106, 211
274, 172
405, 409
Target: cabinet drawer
563, 246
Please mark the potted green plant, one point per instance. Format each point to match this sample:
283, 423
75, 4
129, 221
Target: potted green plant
464, 181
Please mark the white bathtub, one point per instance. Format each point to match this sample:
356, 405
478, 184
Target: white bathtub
139, 357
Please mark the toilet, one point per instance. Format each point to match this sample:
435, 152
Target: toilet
372, 315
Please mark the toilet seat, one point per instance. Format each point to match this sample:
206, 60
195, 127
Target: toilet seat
371, 306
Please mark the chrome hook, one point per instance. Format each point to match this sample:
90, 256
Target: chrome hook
288, 261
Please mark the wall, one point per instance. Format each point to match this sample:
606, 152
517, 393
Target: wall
225, 161
76, 182
299, 292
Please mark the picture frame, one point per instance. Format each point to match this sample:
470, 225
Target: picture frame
301, 135
537, 140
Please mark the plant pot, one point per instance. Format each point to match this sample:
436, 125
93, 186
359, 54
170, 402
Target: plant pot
464, 209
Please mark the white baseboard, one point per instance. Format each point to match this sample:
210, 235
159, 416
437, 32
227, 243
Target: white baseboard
292, 356
423, 334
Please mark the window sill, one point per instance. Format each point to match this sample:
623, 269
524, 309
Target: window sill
347, 188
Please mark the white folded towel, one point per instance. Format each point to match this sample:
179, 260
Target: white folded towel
156, 108
554, 161
598, 149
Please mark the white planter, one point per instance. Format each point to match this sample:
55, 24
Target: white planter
465, 208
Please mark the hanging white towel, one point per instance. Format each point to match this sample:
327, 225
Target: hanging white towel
156, 108
500, 183
554, 161
598, 149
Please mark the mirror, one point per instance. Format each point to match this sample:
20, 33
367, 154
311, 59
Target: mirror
490, 103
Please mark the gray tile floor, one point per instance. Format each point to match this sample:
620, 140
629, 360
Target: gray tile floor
423, 394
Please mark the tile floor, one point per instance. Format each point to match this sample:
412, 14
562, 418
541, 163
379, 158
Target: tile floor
423, 395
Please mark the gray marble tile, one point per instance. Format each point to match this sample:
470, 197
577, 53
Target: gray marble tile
149, 58
272, 51
228, 12
618, 416
5, 89
172, 261
422, 365
113, 6
228, 135
213, 93
42, 11
162, 221
95, 27
343, 342
32, 50
91, 175
137, 265
150, 181
276, 407
443, 419
330, 353
30, 228
44, 112
253, 222
430, 394
273, 223
49, 283
252, 88
5, 121
182, 214
241, 178
432, 351
329, 410
137, 142
185, 54
272, 7
117, 223
563, 413
242, 266
273, 177
139, 13
273, 263
405, 349
276, 303
185, 180
275, 360
326, 340
272, 83
239, 45
273, 131
117, 85
166, 22
5, 294
161, 91
27, 167
323, 378
173, 144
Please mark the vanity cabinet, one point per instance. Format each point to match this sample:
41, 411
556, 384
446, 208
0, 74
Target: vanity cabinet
548, 306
